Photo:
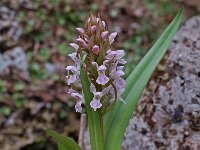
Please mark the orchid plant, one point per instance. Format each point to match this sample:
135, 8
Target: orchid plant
96, 81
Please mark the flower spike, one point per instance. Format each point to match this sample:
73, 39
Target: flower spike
103, 64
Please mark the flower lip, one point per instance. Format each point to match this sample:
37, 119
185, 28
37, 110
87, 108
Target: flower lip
102, 79
95, 104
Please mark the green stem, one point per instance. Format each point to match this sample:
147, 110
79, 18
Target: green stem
101, 124
94, 121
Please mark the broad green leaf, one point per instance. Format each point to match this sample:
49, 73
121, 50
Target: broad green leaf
96, 139
63, 142
116, 121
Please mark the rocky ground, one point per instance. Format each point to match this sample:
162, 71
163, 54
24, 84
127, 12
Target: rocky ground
174, 121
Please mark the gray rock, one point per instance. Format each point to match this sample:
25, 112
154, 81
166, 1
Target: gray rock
9, 23
5, 62
13, 58
175, 117
19, 58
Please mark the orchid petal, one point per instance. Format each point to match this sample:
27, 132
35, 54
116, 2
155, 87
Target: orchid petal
112, 37
75, 46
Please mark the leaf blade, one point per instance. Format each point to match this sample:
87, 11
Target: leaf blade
63, 142
136, 83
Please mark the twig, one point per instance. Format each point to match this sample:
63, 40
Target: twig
82, 129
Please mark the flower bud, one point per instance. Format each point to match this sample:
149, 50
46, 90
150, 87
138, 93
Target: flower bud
95, 49
82, 42
93, 29
80, 30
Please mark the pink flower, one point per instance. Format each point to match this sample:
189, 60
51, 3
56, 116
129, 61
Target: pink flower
119, 54
119, 83
79, 97
116, 73
102, 78
75, 46
121, 61
112, 37
101, 69
95, 104
104, 34
76, 60
75, 73
78, 107
115, 55
111, 55
75, 94
97, 95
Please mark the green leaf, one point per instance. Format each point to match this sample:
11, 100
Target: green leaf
63, 142
44, 54
117, 120
19, 86
5, 110
96, 138
18, 99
